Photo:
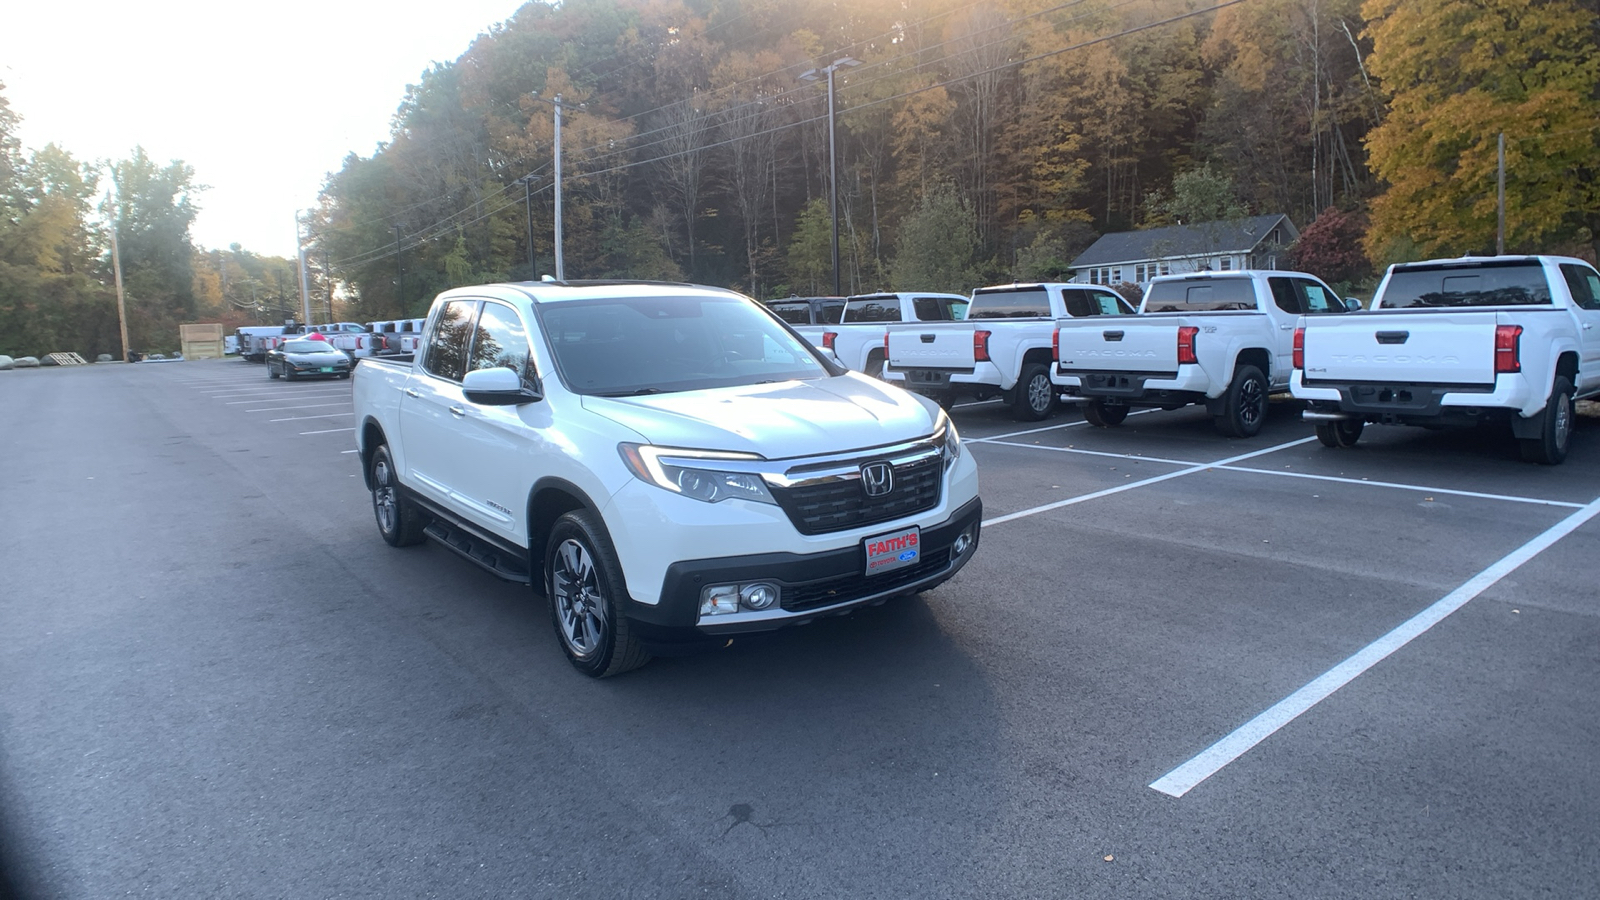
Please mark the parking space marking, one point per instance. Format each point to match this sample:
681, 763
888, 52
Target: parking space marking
1135, 458
1012, 434
280, 399
343, 452
328, 431
1201, 467
1211, 760
302, 406
302, 418
1420, 488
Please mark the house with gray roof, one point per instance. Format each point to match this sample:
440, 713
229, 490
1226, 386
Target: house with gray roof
1135, 257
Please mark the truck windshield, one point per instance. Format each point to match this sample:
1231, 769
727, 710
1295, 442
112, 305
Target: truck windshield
1487, 284
1023, 303
1200, 295
647, 345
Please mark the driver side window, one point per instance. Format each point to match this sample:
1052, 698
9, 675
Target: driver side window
447, 346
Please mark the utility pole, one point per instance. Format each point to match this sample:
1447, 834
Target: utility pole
305, 287
527, 205
833, 156
327, 280
561, 269
1500, 238
116, 268
399, 272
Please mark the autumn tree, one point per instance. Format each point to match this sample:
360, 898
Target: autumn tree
1330, 248
1461, 74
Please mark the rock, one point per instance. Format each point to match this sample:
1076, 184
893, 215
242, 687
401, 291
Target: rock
104, 357
27, 362
6, 362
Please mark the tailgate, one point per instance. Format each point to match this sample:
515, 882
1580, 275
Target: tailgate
943, 345
1409, 347
1145, 344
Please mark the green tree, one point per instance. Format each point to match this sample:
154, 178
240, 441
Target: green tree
1460, 74
154, 212
938, 245
810, 260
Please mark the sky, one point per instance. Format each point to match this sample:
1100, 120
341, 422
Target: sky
262, 100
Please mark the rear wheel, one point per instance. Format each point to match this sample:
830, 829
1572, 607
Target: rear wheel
400, 522
584, 582
1343, 433
1550, 447
1244, 407
1101, 414
874, 367
1035, 396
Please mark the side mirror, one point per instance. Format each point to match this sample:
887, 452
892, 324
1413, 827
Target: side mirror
498, 387
1352, 304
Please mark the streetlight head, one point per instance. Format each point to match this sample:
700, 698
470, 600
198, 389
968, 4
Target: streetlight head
846, 61
808, 75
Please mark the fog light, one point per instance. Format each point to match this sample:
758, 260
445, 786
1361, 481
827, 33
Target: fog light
719, 600
758, 596
963, 542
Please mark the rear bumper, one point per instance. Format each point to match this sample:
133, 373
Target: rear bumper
1409, 402
1190, 384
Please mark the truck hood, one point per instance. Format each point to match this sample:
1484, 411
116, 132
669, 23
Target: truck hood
777, 421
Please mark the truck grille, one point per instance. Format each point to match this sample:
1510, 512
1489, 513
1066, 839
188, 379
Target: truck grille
851, 587
840, 505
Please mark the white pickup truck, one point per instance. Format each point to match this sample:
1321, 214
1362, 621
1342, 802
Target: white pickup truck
857, 342
378, 338
1514, 339
1002, 348
668, 464
1223, 339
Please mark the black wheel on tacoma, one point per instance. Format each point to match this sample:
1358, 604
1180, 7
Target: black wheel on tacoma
1550, 447
1343, 433
584, 581
400, 522
1035, 396
1101, 414
874, 367
1244, 406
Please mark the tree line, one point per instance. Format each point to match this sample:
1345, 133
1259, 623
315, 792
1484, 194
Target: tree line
977, 142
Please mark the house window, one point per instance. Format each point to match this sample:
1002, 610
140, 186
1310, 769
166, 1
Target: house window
1140, 275
1224, 263
1165, 269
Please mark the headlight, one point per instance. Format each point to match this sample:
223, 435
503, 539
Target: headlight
945, 434
695, 473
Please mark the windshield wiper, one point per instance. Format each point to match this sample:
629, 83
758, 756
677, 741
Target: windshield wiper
635, 393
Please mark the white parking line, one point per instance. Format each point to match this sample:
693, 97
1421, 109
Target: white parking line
1211, 760
1136, 484
1012, 434
343, 452
328, 431
304, 406
1130, 456
1419, 488
303, 418
280, 399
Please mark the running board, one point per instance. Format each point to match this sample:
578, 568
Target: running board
491, 557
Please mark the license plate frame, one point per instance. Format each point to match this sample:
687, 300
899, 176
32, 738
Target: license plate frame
928, 378
328, 370
891, 551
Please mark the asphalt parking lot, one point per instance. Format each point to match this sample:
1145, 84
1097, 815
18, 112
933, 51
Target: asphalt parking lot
1179, 666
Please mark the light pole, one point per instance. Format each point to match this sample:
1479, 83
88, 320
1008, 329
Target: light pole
833, 155
561, 269
527, 208
305, 287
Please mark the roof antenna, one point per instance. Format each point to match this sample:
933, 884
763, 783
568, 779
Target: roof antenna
547, 279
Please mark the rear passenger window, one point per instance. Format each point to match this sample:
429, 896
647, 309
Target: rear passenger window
1285, 296
447, 347
1584, 284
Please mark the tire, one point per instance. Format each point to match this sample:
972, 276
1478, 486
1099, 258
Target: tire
288, 374
583, 580
1244, 407
1550, 447
344, 374
1101, 414
271, 372
1343, 433
1035, 396
874, 367
400, 522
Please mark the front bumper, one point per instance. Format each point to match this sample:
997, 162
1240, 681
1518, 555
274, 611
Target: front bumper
811, 585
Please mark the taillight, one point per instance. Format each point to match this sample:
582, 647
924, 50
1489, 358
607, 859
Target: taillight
980, 346
886, 343
1300, 348
361, 343
827, 339
1055, 346
1186, 335
1507, 349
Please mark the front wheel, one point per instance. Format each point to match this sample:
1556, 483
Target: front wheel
400, 522
1343, 433
584, 582
1035, 395
1244, 407
1101, 414
271, 372
1550, 447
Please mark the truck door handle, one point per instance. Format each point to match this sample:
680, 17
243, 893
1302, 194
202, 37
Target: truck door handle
928, 338
457, 411
1285, 327
412, 393
1393, 337
1112, 335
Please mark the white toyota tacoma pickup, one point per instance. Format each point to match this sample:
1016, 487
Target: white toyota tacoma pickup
1002, 348
668, 464
1223, 339
857, 342
1514, 339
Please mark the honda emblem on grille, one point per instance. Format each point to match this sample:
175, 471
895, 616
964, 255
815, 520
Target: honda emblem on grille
877, 479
